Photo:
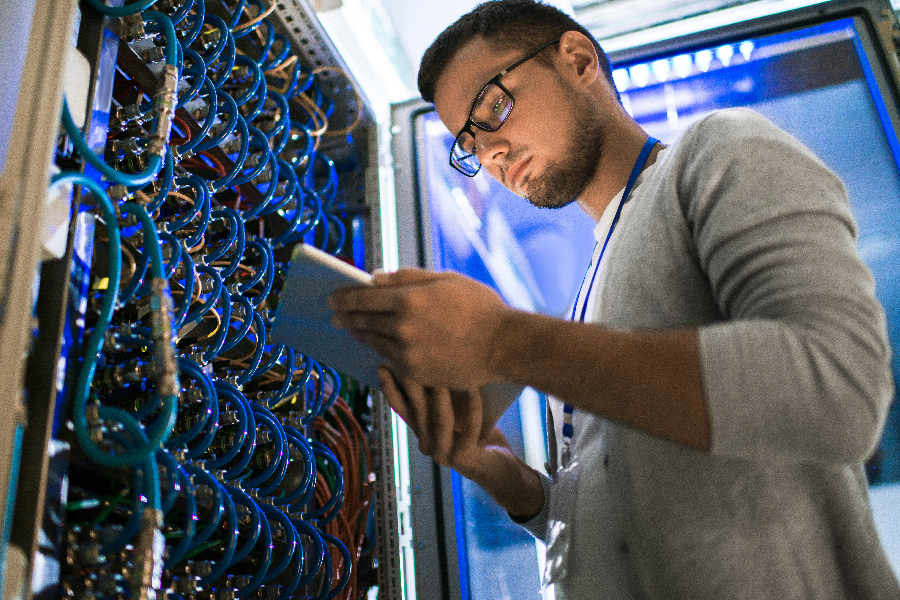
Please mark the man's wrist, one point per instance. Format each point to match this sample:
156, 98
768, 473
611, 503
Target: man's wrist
501, 349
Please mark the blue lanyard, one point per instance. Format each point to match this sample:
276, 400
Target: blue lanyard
568, 430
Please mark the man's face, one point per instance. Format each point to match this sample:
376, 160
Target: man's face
548, 148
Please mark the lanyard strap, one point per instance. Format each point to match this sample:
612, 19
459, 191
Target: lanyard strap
568, 430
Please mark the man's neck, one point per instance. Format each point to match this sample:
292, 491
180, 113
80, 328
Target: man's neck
616, 163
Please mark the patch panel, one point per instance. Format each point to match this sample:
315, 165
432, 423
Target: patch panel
194, 458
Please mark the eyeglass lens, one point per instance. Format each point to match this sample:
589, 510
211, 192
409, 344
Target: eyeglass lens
490, 110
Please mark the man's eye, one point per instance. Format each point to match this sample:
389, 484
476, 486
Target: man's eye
499, 107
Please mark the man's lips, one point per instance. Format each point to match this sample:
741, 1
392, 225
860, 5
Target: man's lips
515, 173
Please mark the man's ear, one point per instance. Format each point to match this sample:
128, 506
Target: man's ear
579, 59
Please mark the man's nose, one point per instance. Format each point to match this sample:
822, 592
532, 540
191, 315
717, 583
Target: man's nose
491, 147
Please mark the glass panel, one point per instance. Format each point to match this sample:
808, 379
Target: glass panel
535, 259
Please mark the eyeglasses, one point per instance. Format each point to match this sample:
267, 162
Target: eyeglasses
489, 111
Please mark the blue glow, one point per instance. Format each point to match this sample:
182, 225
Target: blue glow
724, 54
640, 74
621, 79
661, 69
683, 65
704, 59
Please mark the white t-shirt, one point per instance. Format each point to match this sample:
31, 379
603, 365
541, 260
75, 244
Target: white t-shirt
596, 556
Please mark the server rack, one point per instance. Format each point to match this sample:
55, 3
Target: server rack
48, 477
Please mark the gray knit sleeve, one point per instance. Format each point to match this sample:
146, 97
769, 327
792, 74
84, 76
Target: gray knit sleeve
799, 366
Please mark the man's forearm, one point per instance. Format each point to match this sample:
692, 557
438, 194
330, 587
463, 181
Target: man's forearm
649, 380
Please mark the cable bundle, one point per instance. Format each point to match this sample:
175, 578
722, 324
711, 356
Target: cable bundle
232, 466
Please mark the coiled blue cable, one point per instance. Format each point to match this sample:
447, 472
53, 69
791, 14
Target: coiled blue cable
269, 41
154, 164
176, 553
215, 346
259, 350
232, 340
207, 436
244, 441
182, 11
260, 93
273, 473
218, 23
284, 120
328, 511
315, 556
282, 53
335, 389
297, 228
231, 526
341, 238
302, 494
197, 70
291, 541
198, 313
262, 8
318, 386
212, 96
278, 145
142, 262
255, 71
180, 310
166, 176
263, 154
251, 531
208, 412
288, 380
228, 63
264, 559
274, 356
266, 264
238, 163
120, 11
197, 26
177, 250
217, 504
236, 13
284, 170
228, 129
348, 564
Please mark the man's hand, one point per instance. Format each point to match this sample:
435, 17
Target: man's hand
448, 426
439, 329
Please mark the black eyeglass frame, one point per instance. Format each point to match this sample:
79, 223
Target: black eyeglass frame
467, 128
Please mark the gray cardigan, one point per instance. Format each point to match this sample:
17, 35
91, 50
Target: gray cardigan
742, 232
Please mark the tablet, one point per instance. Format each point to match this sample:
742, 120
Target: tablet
303, 322
303, 319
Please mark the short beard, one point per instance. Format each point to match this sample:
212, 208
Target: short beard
564, 181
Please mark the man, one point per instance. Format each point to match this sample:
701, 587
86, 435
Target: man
725, 371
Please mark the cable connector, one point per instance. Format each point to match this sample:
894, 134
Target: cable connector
146, 576
164, 361
164, 102
131, 28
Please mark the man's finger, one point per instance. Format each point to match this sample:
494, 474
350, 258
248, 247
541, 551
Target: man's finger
471, 417
418, 400
394, 396
364, 298
405, 276
443, 411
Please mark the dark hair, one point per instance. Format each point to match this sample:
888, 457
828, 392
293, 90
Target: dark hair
507, 25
